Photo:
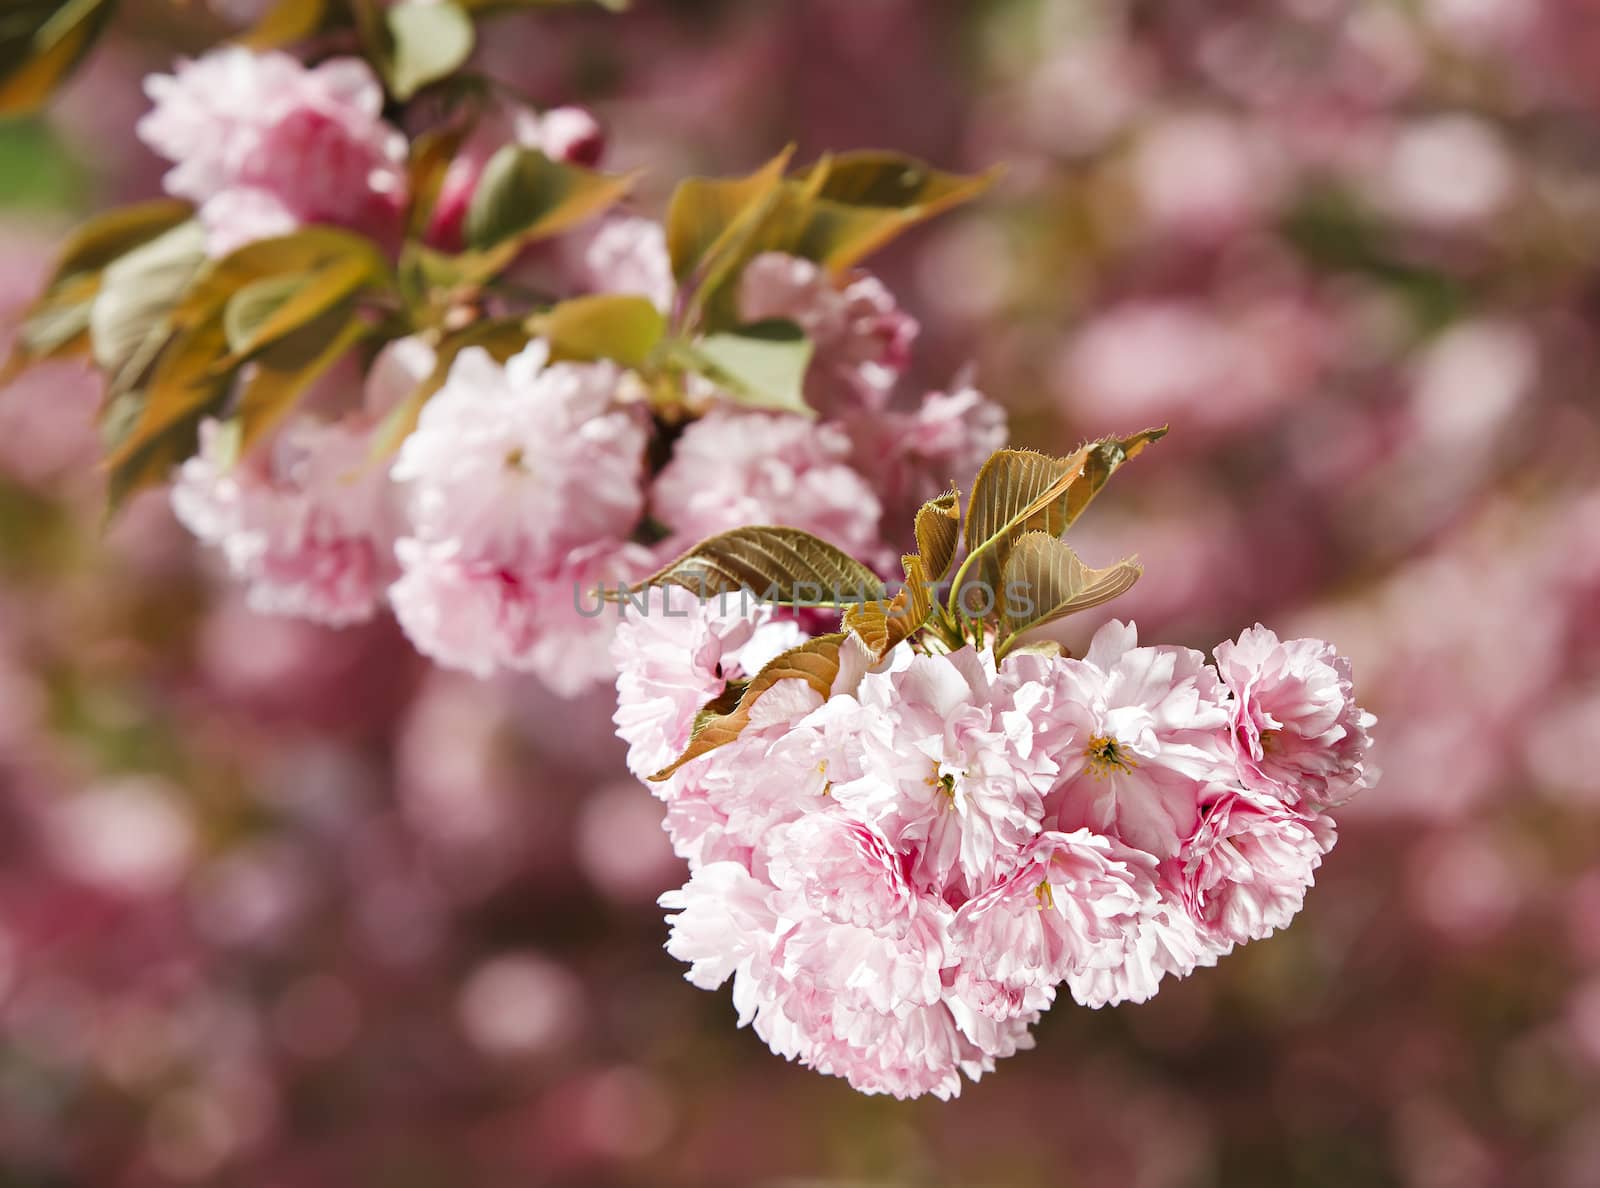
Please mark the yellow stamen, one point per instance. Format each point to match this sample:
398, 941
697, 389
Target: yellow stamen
1106, 755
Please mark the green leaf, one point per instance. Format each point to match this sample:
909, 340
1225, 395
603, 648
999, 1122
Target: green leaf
157, 427
614, 326
308, 251
783, 565
523, 196
130, 318
1020, 491
501, 337
762, 365
708, 217
282, 372
835, 213
194, 371
866, 199
57, 323
818, 662
40, 42
264, 311
1057, 584
285, 23
430, 40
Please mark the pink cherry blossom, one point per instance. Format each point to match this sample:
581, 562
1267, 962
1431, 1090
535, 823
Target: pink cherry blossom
676, 653
523, 461
623, 254
1135, 732
1301, 737
899, 877
1167, 941
730, 469
862, 338
524, 486
307, 520
1246, 869
264, 144
1073, 906
913, 456
944, 773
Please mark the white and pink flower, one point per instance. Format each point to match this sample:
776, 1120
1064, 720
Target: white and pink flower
1300, 735
899, 878
265, 145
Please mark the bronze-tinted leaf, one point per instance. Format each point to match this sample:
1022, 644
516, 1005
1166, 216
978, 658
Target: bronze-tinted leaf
616, 326
1101, 460
1045, 581
938, 529
283, 371
866, 199
307, 252
816, 662
40, 42
523, 196
1020, 491
264, 311
183, 386
783, 565
836, 212
709, 216
884, 623
286, 22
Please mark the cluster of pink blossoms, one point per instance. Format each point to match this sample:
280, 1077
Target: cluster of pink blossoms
899, 877
525, 484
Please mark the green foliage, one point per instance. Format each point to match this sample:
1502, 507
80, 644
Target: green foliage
426, 41
836, 212
182, 337
762, 365
616, 326
524, 196
40, 42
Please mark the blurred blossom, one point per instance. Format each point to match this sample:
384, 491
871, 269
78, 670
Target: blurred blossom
623, 1113
520, 1005
1203, 174
1151, 362
1468, 887
621, 846
254, 895
1446, 171
127, 836
1470, 380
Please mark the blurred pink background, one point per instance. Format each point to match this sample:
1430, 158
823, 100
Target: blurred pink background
281, 906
